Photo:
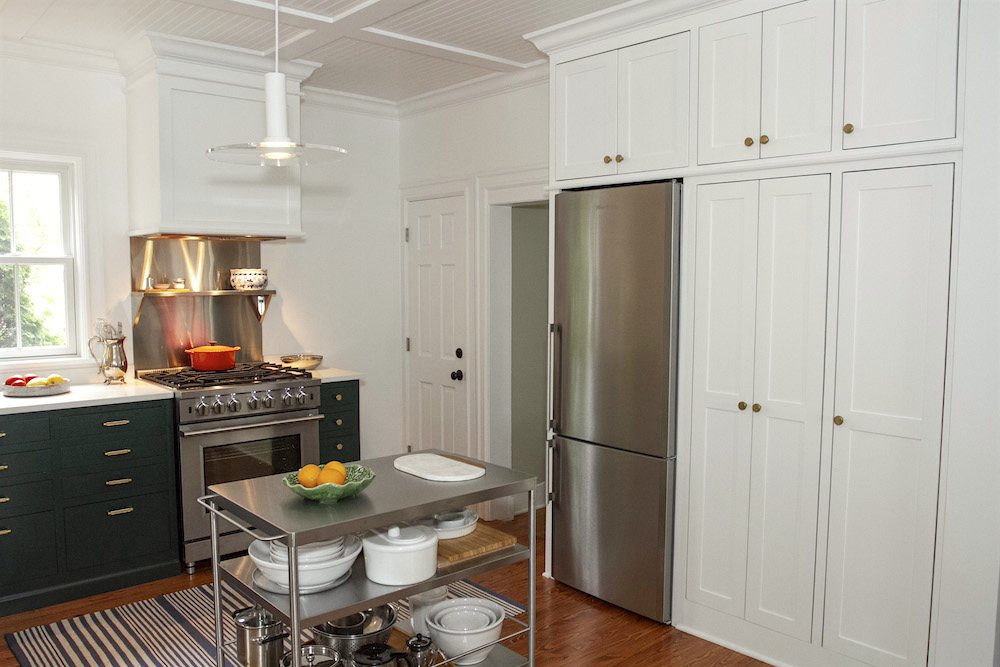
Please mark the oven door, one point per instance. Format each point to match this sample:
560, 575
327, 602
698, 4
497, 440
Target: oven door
235, 449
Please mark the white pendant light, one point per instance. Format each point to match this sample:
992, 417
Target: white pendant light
276, 149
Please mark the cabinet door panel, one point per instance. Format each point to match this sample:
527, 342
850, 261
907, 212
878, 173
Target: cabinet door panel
890, 374
586, 116
653, 91
900, 73
797, 78
726, 248
793, 235
729, 90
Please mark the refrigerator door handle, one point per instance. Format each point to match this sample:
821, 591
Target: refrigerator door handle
554, 495
555, 369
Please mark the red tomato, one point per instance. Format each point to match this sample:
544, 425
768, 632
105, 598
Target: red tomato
10, 381
19, 382
29, 377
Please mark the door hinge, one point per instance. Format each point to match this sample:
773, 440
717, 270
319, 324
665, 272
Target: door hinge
548, 496
409, 448
406, 234
407, 343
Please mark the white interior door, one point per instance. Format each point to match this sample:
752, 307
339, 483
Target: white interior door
900, 73
653, 101
437, 322
792, 242
729, 90
725, 273
796, 100
892, 324
586, 116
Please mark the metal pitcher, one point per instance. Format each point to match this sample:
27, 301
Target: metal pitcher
110, 358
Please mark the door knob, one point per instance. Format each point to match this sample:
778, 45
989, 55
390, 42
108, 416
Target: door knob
755, 407
742, 405
458, 353
748, 141
838, 420
457, 375
607, 159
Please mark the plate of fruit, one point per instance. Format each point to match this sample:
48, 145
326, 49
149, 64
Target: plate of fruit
29, 385
329, 483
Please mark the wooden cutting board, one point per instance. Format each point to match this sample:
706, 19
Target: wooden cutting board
482, 540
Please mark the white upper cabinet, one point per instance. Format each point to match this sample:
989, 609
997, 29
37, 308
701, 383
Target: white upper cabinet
892, 328
900, 71
623, 111
765, 84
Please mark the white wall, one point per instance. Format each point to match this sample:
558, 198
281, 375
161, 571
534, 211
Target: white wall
339, 288
500, 330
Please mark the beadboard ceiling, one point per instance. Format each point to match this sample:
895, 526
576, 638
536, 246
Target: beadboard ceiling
389, 49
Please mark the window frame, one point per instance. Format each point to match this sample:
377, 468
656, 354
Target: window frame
70, 260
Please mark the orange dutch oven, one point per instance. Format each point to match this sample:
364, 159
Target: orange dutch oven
213, 357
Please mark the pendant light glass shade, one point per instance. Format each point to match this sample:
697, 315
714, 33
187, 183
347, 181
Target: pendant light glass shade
276, 149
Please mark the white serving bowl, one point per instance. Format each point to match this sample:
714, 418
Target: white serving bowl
401, 555
248, 279
311, 574
457, 626
310, 553
450, 525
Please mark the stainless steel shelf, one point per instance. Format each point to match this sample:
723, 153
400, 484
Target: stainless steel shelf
359, 593
216, 292
501, 656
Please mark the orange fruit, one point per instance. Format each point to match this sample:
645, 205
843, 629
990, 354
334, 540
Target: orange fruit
337, 465
309, 474
332, 476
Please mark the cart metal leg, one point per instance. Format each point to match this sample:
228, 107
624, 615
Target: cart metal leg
216, 590
531, 578
293, 599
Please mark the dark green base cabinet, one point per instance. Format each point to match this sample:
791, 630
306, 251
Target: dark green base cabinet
87, 502
340, 429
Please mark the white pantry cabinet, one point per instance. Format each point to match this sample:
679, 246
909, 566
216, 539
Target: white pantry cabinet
900, 71
891, 338
623, 111
765, 84
760, 314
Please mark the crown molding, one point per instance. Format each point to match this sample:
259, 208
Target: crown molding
614, 20
350, 102
60, 55
483, 87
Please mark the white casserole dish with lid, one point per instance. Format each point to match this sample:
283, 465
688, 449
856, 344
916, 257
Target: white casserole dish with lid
400, 555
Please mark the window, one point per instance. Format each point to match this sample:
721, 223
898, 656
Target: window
37, 267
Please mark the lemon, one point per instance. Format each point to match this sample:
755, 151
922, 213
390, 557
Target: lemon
308, 475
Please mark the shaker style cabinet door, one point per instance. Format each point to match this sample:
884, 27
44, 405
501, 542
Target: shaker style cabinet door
653, 94
900, 71
891, 343
725, 275
586, 116
797, 79
729, 90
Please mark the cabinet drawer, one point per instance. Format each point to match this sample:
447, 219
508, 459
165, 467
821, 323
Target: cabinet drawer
117, 530
113, 455
335, 394
15, 464
116, 483
115, 423
18, 499
27, 551
340, 448
19, 433
341, 421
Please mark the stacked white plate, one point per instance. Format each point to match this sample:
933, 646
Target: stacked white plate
449, 525
322, 565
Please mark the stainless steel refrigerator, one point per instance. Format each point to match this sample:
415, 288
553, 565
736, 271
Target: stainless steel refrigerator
613, 343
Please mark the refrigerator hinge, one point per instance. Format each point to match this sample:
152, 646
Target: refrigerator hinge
548, 496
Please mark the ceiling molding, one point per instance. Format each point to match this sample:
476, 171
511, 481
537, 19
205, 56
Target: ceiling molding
59, 55
426, 47
350, 102
613, 20
468, 91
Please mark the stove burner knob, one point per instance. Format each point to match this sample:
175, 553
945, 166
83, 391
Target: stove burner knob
253, 402
234, 404
300, 397
201, 407
268, 399
217, 405
286, 398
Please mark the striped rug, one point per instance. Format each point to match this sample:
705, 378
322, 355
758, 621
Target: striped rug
173, 630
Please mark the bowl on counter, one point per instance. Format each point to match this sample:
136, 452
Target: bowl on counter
400, 555
358, 478
460, 625
344, 636
302, 362
248, 279
313, 575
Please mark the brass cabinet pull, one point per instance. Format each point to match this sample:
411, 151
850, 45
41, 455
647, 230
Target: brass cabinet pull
117, 452
748, 141
764, 138
340, 445
755, 407
339, 422
3, 500
2, 468
339, 397
116, 422
619, 158
5, 531
118, 482
742, 405
607, 159
838, 420
123, 510
848, 128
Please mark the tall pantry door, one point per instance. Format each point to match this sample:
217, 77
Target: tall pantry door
894, 269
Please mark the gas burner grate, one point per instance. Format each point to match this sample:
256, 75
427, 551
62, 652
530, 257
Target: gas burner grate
242, 374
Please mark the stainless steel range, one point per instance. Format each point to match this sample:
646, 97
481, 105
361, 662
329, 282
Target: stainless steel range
254, 420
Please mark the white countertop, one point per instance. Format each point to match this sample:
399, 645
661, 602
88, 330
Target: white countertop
324, 373
86, 395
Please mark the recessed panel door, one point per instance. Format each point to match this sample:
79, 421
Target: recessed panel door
437, 314
586, 116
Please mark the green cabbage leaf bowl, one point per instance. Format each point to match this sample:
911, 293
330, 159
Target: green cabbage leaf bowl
358, 478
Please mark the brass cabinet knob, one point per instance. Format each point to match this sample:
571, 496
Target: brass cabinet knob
339, 397
339, 422
838, 420
619, 158
848, 128
742, 405
755, 407
607, 159
340, 445
764, 138
748, 141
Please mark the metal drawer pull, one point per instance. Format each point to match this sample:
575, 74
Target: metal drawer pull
118, 482
123, 510
117, 422
5, 531
2, 434
117, 452
2, 468
3, 500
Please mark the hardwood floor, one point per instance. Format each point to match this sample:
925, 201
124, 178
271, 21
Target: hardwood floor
573, 628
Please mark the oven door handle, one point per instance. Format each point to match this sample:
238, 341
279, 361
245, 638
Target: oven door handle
225, 429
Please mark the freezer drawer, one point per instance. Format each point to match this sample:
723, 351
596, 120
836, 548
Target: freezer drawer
612, 525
